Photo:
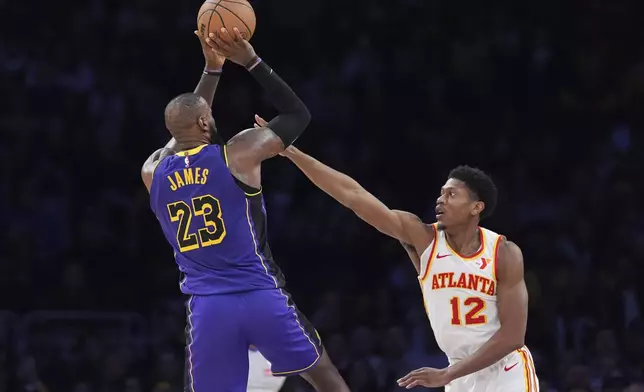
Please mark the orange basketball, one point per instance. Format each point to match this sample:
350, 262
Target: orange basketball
215, 14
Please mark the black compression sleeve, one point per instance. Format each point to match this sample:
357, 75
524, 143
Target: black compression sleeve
293, 115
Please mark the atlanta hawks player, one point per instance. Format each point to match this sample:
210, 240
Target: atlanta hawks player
471, 278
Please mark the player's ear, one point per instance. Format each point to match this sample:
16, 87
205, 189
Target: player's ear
479, 206
203, 123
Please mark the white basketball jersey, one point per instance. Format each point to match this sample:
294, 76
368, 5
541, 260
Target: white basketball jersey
460, 294
260, 378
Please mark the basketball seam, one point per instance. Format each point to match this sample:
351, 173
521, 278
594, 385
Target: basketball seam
212, 12
208, 28
236, 16
223, 24
240, 3
201, 14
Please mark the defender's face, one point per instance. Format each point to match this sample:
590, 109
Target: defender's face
455, 204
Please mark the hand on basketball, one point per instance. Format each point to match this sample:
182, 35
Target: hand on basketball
232, 45
425, 377
214, 60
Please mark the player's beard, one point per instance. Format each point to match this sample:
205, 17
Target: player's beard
215, 138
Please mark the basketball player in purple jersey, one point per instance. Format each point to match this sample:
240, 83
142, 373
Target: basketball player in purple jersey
207, 197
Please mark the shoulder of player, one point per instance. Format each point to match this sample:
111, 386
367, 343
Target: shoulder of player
156, 157
420, 232
509, 260
250, 146
509, 249
152, 163
411, 221
252, 136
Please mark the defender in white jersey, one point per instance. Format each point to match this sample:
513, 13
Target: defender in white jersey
260, 378
471, 277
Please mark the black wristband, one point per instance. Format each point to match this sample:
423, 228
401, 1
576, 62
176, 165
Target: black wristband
212, 72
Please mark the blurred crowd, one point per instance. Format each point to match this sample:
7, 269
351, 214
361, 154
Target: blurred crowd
545, 96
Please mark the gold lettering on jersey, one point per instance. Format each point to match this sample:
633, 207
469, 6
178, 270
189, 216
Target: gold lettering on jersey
189, 176
447, 280
173, 186
179, 180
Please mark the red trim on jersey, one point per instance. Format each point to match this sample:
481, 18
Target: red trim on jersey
432, 253
478, 253
496, 255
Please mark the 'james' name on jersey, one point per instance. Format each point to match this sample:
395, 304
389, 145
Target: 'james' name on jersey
215, 224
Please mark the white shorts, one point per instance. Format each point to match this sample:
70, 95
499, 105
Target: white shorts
514, 373
260, 378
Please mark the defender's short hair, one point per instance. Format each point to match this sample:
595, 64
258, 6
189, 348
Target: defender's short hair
480, 186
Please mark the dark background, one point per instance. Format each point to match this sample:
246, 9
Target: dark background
545, 96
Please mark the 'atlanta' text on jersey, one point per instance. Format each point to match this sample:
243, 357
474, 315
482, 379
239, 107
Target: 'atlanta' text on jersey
449, 280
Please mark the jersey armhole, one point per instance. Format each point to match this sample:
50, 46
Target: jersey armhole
424, 273
248, 190
154, 171
152, 192
496, 256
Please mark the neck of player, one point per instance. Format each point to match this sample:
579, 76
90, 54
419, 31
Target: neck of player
190, 144
464, 239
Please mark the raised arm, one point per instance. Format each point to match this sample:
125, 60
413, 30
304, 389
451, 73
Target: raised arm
209, 78
405, 227
206, 88
250, 147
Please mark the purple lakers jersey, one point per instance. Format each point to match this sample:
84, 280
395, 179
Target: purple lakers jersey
215, 223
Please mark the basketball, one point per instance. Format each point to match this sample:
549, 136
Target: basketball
215, 14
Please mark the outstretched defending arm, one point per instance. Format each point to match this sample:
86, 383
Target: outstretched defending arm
405, 227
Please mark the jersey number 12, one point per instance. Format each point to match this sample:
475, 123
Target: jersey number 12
473, 316
209, 209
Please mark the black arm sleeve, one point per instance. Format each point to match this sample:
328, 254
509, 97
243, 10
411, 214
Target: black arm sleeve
294, 116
